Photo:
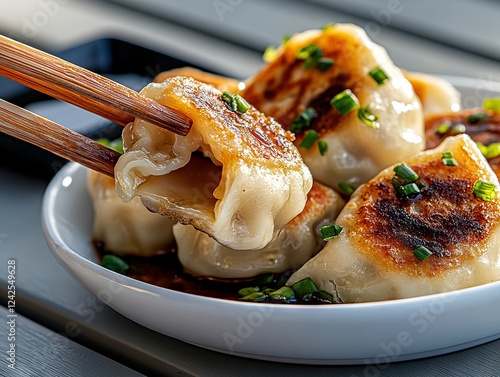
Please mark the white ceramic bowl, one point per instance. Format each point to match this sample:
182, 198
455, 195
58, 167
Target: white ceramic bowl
328, 334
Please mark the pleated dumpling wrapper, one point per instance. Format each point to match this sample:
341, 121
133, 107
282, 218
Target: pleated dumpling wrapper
444, 238
375, 120
126, 228
297, 242
236, 176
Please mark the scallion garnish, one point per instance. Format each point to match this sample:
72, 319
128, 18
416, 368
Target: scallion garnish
491, 104
327, 26
303, 120
255, 297
368, 118
324, 295
329, 232
407, 174
309, 139
422, 253
484, 190
285, 38
448, 159
248, 290
443, 128
323, 147
410, 189
270, 54
476, 118
114, 263
346, 188
304, 288
483, 148
379, 75
116, 145
282, 294
236, 102
312, 55
345, 102
263, 280
493, 150
459, 129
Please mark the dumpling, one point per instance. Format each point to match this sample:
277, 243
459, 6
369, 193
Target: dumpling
126, 228
483, 126
436, 94
314, 67
220, 82
374, 258
298, 241
235, 176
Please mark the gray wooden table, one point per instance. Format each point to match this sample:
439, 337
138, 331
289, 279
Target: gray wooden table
63, 330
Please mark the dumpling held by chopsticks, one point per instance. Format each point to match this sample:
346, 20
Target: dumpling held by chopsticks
236, 176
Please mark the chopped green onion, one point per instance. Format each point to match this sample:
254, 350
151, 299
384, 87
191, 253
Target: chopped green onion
346, 188
303, 120
248, 290
255, 297
379, 75
459, 129
491, 104
263, 280
304, 288
406, 173
323, 147
270, 54
476, 118
483, 148
327, 26
409, 189
312, 55
285, 38
323, 64
236, 102
309, 139
368, 118
283, 294
443, 128
448, 159
484, 190
422, 253
329, 232
116, 145
345, 102
324, 295
114, 263
493, 150
311, 51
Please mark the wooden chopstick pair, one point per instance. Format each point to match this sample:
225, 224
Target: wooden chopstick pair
85, 89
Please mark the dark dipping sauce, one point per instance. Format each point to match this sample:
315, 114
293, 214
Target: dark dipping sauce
165, 270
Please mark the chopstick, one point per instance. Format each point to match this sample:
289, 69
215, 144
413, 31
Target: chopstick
25, 125
83, 88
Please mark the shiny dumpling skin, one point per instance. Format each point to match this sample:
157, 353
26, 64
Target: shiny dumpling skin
297, 242
436, 94
245, 182
372, 258
283, 89
126, 228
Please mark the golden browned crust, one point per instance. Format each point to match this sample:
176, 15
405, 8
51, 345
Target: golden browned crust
485, 131
252, 133
286, 78
448, 219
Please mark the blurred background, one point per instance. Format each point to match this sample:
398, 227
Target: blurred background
452, 37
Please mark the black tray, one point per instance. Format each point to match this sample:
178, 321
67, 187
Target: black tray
132, 65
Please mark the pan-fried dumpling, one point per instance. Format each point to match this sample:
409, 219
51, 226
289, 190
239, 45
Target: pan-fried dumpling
309, 71
126, 228
455, 218
236, 176
297, 242
436, 94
